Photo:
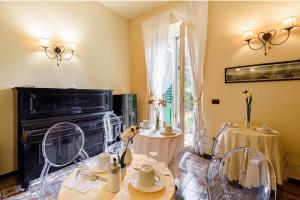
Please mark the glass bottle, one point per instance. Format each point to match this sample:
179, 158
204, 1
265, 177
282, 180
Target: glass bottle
114, 178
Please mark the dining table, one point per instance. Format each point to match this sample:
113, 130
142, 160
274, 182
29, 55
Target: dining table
167, 146
267, 142
99, 189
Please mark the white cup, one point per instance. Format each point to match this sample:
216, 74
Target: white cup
146, 124
103, 160
147, 176
142, 125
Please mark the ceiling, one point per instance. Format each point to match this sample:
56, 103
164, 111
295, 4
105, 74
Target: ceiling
130, 9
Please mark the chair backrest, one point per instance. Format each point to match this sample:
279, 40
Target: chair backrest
62, 144
245, 174
217, 149
112, 126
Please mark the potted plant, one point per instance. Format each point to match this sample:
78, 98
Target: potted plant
157, 106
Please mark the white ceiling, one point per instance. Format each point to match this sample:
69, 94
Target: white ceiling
130, 9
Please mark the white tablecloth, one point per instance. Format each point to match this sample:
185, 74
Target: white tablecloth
268, 144
99, 191
166, 146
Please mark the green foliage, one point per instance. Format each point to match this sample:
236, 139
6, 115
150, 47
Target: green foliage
122, 159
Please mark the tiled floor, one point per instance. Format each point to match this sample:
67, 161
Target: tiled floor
192, 185
189, 172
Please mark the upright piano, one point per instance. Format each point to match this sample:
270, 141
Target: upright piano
40, 108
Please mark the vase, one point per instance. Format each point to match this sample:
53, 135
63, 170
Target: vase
157, 121
123, 173
248, 118
128, 156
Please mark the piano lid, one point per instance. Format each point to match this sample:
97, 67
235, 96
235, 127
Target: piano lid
39, 103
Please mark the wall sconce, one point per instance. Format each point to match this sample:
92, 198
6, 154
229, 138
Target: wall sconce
59, 51
265, 38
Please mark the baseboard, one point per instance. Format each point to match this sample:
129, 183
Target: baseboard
294, 181
8, 175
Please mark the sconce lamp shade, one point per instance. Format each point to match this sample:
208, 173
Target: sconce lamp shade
248, 36
289, 23
72, 47
44, 43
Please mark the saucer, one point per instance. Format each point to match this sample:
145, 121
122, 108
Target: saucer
162, 132
159, 185
95, 168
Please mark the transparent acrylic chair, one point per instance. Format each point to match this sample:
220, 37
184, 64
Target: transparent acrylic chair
112, 127
62, 144
202, 141
187, 167
217, 153
245, 174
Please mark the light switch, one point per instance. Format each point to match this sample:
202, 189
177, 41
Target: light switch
215, 101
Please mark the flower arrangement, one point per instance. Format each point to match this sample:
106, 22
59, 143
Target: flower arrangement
157, 106
248, 107
127, 138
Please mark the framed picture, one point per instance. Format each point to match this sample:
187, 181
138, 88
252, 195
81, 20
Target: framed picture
277, 71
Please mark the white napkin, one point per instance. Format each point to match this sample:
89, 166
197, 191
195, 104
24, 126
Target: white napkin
267, 130
80, 185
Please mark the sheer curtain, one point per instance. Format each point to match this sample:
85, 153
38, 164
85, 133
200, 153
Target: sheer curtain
194, 14
155, 32
197, 34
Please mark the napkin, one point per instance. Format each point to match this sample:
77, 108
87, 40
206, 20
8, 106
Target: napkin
80, 185
267, 130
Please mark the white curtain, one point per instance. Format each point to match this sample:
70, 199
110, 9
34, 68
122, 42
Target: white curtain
194, 15
155, 32
197, 13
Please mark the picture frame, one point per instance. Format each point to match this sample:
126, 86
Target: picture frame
276, 71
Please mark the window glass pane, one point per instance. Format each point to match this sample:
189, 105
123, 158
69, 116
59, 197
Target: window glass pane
171, 111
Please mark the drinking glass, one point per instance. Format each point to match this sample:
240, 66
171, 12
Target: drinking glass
153, 157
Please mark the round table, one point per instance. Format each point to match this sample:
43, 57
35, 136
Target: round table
99, 190
166, 146
267, 143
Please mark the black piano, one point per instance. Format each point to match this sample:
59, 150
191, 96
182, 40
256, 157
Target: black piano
40, 108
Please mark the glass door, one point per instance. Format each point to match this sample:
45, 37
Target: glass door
179, 109
188, 102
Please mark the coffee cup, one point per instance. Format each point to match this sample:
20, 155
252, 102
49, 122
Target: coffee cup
103, 160
168, 130
147, 177
146, 124
142, 125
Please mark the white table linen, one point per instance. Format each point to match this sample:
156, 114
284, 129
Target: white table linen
99, 189
166, 146
266, 143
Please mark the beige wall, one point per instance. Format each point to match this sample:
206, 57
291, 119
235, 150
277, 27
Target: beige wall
275, 103
102, 59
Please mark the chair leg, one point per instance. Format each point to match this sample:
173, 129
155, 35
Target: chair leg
84, 155
43, 179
